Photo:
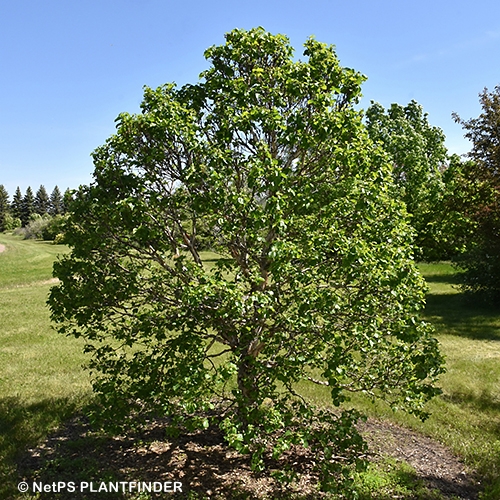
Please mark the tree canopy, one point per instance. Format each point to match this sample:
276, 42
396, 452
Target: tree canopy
311, 277
418, 155
480, 187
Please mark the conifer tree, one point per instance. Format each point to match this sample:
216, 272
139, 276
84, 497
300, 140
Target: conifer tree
42, 201
4, 206
67, 199
28, 206
17, 204
56, 202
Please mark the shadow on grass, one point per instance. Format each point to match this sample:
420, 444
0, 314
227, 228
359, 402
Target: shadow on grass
459, 315
22, 426
411, 485
448, 279
484, 402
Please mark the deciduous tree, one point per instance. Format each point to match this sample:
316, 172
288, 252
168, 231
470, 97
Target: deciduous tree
480, 261
313, 282
418, 154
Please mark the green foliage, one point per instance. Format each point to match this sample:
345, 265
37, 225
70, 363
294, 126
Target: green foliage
27, 206
17, 204
314, 280
54, 230
56, 202
42, 201
480, 261
34, 228
66, 201
43, 227
4, 207
10, 222
418, 154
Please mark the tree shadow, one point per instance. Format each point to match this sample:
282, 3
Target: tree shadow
201, 461
484, 402
427, 487
460, 315
24, 425
448, 279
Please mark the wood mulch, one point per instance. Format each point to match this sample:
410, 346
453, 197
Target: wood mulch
207, 467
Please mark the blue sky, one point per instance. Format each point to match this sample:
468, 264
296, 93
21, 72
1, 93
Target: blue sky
68, 68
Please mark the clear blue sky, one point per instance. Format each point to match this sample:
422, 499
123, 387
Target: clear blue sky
68, 68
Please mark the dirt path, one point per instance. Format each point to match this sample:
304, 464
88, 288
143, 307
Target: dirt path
435, 464
2, 248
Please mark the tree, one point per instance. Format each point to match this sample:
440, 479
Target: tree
42, 201
418, 154
17, 204
4, 207
67, 200
480, 262
56, 202
314, 280
27, 206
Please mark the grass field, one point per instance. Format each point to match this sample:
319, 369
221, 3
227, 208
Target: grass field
41, 379
467, 415
42, 382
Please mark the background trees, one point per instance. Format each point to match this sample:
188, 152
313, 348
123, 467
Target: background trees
42, 216
419, 155
42, 201
56, 202
17, 204
313, 280
480, 260
4, 207
27, 206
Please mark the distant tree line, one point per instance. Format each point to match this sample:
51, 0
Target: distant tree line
33, 215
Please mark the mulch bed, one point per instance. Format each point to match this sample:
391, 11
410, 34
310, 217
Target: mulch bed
208, 467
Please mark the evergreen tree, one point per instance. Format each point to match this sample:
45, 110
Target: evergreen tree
67, 199
4, 206
56, 202
42, 201
16, 207
28, 206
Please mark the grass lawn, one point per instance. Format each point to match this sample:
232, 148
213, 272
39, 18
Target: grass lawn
41, 379
42, 382
466, 417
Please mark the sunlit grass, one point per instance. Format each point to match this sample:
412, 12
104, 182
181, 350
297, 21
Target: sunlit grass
41, 377
466, 417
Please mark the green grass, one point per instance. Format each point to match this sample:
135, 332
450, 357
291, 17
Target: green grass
466, 417
41, 379
42, 383
392, 479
